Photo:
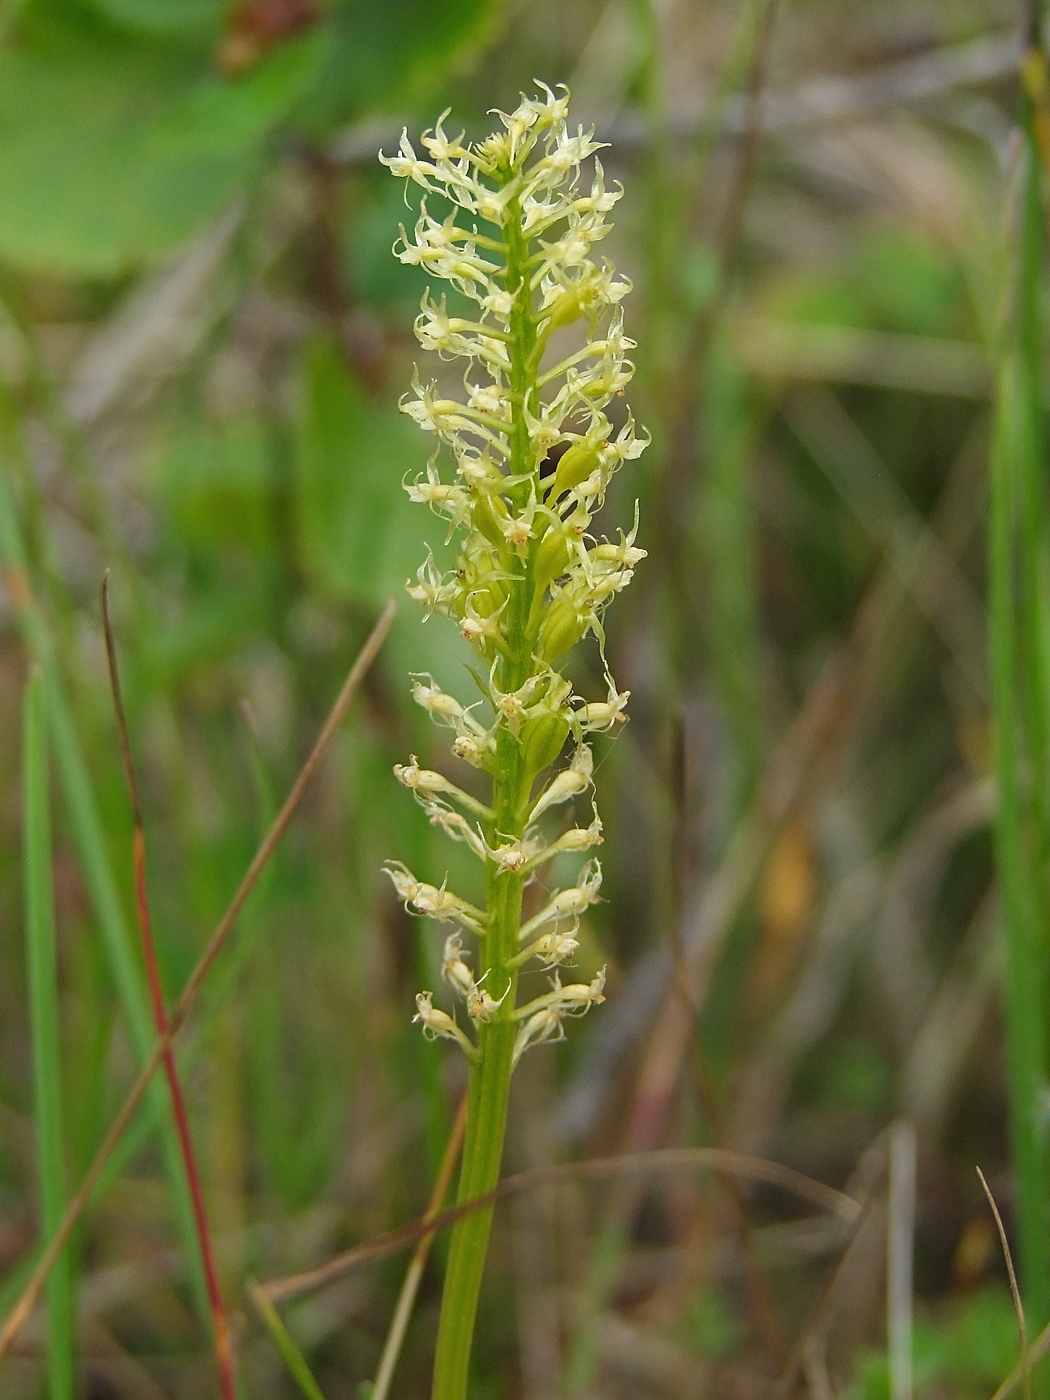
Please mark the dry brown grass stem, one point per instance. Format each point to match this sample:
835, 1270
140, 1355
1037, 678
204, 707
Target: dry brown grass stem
867, 1176
1015, 1292
667, 1159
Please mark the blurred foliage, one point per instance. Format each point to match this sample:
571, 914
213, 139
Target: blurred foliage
121, 136
358, 534
963, 1355
203, 339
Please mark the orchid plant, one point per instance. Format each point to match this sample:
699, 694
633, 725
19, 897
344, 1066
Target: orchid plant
521, 466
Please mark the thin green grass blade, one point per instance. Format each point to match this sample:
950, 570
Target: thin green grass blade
227, 977
285, 1344
1017, 606
726, 537
42, 964
103, 890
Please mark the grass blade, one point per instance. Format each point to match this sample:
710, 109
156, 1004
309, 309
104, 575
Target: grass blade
1018, 623
42, 964
89, 840
285, 1344
29, 1296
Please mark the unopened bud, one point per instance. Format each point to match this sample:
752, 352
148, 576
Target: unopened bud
439, 1024
435, 701
569, 903
568, 784
562, 629
575, 466
542, 740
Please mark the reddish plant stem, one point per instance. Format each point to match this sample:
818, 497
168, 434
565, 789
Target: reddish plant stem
220, 1326
217, 1307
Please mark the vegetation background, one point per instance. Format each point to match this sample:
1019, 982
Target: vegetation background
203, 338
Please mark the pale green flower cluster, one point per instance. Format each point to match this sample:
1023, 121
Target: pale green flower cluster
532, 452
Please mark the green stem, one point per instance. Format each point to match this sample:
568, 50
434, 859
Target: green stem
1023, 1002
1032, 505
43, 1002
1017, 622
512, 784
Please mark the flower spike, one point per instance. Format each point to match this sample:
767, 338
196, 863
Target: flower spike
523, 455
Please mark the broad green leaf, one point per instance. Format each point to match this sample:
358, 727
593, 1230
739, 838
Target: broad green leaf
359, 535
216, 480
113, 153
383, 56
164, 17
119, 137
215, 486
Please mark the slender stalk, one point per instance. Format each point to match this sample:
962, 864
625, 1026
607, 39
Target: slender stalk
1031, 441
285, 1344
490, 1074
44, 1015
1017, 607
1015, 1292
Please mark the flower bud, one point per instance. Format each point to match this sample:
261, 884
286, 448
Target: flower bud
550, 949
552, 557
440, 1025
603, 714
488, 515
419, 779
432, 901
576, 465
579, 996
580, 838
542, 740
541, 1019
434, 700
567, 903
564, 311
563, 627
567, 784
425, 784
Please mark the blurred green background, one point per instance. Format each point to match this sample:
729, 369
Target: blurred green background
203, 338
